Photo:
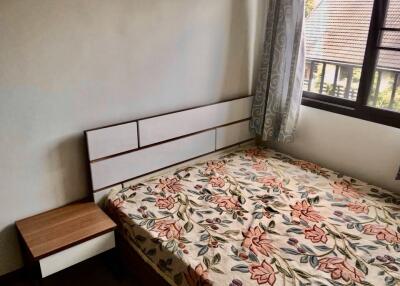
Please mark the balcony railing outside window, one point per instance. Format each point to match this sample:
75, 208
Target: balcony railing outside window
342, 80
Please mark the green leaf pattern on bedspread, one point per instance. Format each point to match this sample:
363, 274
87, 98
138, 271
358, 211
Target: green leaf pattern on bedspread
258, 217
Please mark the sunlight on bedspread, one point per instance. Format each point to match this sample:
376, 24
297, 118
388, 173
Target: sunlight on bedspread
259, 217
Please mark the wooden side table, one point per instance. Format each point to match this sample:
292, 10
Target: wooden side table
62, 237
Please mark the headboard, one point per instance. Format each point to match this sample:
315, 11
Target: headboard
124, 151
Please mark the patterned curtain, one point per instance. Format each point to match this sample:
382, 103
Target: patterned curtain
277, 100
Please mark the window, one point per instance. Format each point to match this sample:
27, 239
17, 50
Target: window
353, 58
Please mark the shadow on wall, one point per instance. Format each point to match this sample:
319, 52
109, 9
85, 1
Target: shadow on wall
70, 159
10, 255
237, 63
246, 26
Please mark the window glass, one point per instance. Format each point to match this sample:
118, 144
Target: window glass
336, 35
393, 14
385, 91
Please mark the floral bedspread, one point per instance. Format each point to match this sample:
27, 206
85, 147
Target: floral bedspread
258, 217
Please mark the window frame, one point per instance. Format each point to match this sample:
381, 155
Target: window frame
359, 108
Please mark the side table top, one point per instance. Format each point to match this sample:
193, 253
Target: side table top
58, 229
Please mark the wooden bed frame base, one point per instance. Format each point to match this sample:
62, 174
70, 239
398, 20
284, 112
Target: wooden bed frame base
133, 263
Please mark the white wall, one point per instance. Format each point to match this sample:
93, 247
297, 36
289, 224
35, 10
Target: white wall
362, 149
70, 65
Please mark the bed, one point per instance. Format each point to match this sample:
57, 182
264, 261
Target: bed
254, 216
242, 215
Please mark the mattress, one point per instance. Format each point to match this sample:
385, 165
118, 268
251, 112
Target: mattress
259, 217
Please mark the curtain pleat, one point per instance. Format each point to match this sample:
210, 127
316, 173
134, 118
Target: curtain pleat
278, 94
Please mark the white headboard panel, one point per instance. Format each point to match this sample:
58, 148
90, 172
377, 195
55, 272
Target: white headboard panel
112, 140
129, 150
232, 134
123, 167
160, 128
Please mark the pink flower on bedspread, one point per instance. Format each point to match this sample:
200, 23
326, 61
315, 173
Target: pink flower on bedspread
358, 208
270, 181
256, 240
165, 203
255, 152
114, 206
217, 182
170, 185
382, 233
307, 165
303, 210
168, 228
260, 166
228, 203
340, 268
315, 234
216, 166
118, 203
198, 276
263, 273
345, 189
